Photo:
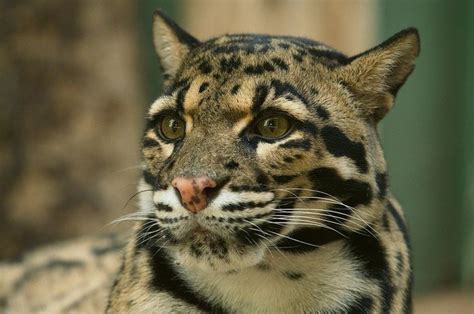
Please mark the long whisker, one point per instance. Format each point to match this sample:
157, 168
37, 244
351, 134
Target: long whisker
299, 219
134, 195
293, 239
331, 201
140, 166
259, 235
282, 221
325, 213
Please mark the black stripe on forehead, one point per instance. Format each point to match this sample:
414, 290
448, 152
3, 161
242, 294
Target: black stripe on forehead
228, 65
175, 86
261, 93
284, 88
180, 98
329, 54
259, 68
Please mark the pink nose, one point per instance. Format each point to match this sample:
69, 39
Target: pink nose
193, 196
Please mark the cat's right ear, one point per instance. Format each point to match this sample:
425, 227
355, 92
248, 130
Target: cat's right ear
172, 43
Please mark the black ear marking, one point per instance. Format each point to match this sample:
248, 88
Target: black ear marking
172, 43
376, 75
181, 34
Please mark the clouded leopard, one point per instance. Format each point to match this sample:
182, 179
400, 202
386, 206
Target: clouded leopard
264, 187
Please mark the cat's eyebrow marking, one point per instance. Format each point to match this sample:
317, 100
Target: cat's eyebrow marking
161, 104
293, 107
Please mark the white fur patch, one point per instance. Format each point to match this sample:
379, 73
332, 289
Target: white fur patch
145, 199
160, 104
228, 197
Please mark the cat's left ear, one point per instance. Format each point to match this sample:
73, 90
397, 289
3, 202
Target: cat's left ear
376, 75
172, 43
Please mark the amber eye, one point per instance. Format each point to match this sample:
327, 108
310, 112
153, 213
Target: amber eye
274, 126
172, 127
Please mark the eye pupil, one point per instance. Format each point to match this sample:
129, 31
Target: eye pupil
173, 125
171, 128
273, 127
271, 124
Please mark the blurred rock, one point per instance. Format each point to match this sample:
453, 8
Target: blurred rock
71, 108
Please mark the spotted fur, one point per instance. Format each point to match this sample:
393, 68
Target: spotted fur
304, 223
70, 277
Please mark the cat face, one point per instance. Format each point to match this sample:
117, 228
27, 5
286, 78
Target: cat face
264, 141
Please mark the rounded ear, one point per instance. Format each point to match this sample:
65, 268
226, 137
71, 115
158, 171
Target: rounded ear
375, 76
172, 43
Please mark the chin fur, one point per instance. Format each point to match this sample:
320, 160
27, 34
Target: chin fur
215, 256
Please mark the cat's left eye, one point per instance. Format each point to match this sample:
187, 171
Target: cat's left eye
171, 127
273, 126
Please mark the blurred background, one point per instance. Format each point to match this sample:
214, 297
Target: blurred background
77, 76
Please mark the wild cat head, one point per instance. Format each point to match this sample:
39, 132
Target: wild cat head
264, 141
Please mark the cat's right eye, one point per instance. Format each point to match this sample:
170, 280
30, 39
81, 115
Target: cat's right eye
171, 127
273, 126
